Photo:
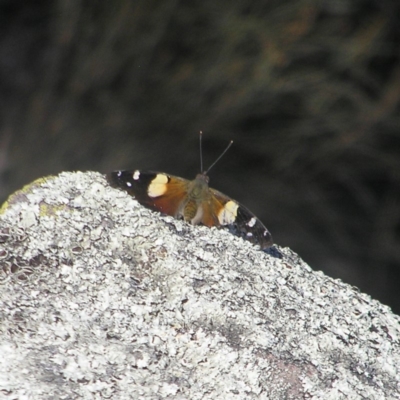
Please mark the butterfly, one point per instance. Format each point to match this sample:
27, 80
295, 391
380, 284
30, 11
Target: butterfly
194, 201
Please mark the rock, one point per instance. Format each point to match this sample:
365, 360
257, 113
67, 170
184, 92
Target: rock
102, 298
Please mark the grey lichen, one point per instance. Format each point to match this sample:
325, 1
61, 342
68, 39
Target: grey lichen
101, 298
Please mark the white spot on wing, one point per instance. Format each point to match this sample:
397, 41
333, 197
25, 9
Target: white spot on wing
128, 184
228, 214
252, 222
158, 186
136, 175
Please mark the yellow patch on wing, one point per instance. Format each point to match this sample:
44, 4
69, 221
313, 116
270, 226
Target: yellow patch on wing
227, 215
158, 185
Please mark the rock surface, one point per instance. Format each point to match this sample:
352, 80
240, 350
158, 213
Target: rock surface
101, 298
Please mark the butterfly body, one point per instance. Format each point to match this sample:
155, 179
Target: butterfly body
194, 201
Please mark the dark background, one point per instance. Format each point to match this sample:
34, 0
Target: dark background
308, 90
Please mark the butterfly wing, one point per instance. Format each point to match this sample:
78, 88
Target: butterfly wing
155, 190
244, 223
168, 194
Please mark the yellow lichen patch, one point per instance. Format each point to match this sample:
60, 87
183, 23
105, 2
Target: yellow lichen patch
50, 210
19, 194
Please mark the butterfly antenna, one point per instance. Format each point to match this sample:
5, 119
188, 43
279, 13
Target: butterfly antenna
201, 151
227, 147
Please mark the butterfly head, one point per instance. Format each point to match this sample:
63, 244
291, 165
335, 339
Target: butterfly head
203, 177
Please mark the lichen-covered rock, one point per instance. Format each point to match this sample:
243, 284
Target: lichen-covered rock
101, 298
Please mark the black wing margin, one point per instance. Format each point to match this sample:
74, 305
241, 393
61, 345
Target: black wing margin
250, 228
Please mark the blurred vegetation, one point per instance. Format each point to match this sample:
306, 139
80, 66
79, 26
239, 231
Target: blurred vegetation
308, 90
